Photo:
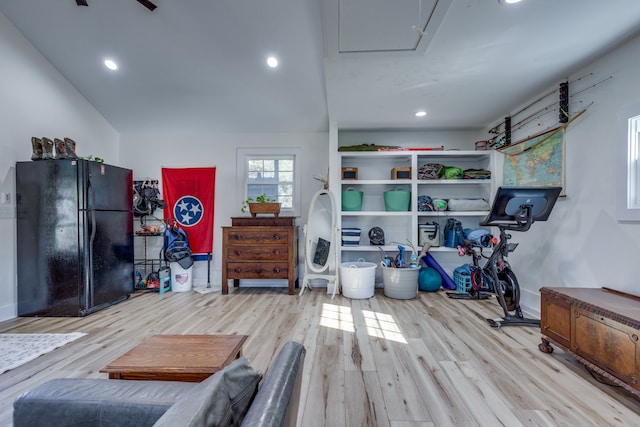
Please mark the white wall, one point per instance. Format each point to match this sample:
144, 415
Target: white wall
582, 244
37, 101
147, 154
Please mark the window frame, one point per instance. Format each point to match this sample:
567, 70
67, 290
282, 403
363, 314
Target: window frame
628, 170
243, 155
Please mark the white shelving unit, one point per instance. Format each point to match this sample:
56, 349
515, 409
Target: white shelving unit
374, 178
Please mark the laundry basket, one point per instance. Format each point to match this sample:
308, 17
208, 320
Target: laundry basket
358, 279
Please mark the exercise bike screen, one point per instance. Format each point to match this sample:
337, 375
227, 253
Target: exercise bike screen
515, 209
509, 203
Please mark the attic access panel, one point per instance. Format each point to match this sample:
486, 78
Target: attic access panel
388, 25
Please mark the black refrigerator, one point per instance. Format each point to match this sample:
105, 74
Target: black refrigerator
74, 236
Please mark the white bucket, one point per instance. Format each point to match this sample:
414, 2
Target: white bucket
180, 277
400, 283
358, 279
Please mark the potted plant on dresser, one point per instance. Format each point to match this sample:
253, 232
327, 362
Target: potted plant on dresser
262, 204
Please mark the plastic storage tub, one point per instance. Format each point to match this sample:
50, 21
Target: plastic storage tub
181, 278
358, 279
397, 200
400, 283
352, 199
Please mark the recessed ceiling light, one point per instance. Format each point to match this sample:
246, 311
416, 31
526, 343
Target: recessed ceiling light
110, 64
421, 113
509, 1
272, 61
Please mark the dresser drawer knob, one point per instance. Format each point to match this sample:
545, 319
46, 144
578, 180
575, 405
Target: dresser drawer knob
276, 237
276, 270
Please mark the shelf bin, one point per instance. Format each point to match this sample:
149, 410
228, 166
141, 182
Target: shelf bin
400, 283
397, 200
352, 200
358, 279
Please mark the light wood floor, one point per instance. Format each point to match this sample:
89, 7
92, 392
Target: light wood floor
432, 361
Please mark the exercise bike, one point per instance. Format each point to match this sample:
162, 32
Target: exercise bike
514, 209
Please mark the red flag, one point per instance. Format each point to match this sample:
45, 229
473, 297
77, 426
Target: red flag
189, 195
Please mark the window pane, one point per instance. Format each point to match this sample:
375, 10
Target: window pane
287, 201
286, 165
285, 176
255, 165
254, 191
285, 189
269, 165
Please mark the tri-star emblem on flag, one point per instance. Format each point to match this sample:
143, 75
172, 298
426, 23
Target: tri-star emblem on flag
188, 211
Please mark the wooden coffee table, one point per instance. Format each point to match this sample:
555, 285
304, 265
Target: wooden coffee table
177, 357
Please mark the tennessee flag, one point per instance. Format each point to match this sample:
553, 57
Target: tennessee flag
189, 195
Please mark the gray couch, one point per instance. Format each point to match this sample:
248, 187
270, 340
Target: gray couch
233, 396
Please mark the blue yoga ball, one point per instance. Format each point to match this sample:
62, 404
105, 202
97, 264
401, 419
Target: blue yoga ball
429, 280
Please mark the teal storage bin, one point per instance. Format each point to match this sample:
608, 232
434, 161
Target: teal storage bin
397, 200
352, 199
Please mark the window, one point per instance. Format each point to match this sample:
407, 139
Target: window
274, 172
628, 200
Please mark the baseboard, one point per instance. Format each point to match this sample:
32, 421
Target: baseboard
8, 311
530, 303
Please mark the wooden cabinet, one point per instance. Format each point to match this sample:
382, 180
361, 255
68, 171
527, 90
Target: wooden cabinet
599, 326
260, 248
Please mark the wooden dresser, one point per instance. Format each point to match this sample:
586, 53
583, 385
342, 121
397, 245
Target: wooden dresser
599, 326
260, 248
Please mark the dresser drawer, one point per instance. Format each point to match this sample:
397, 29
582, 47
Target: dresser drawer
269, 252
237, 235
263, 270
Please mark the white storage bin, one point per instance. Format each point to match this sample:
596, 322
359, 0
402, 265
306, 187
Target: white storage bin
358, 279
181, 278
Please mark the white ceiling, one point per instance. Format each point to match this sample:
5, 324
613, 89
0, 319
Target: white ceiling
198, 65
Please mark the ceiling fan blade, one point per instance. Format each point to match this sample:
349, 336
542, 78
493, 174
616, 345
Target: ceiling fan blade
81, 2
148, 4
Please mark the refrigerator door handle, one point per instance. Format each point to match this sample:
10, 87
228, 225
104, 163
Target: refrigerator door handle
93, 212
89, 300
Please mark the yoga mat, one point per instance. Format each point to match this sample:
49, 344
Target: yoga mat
447, 282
